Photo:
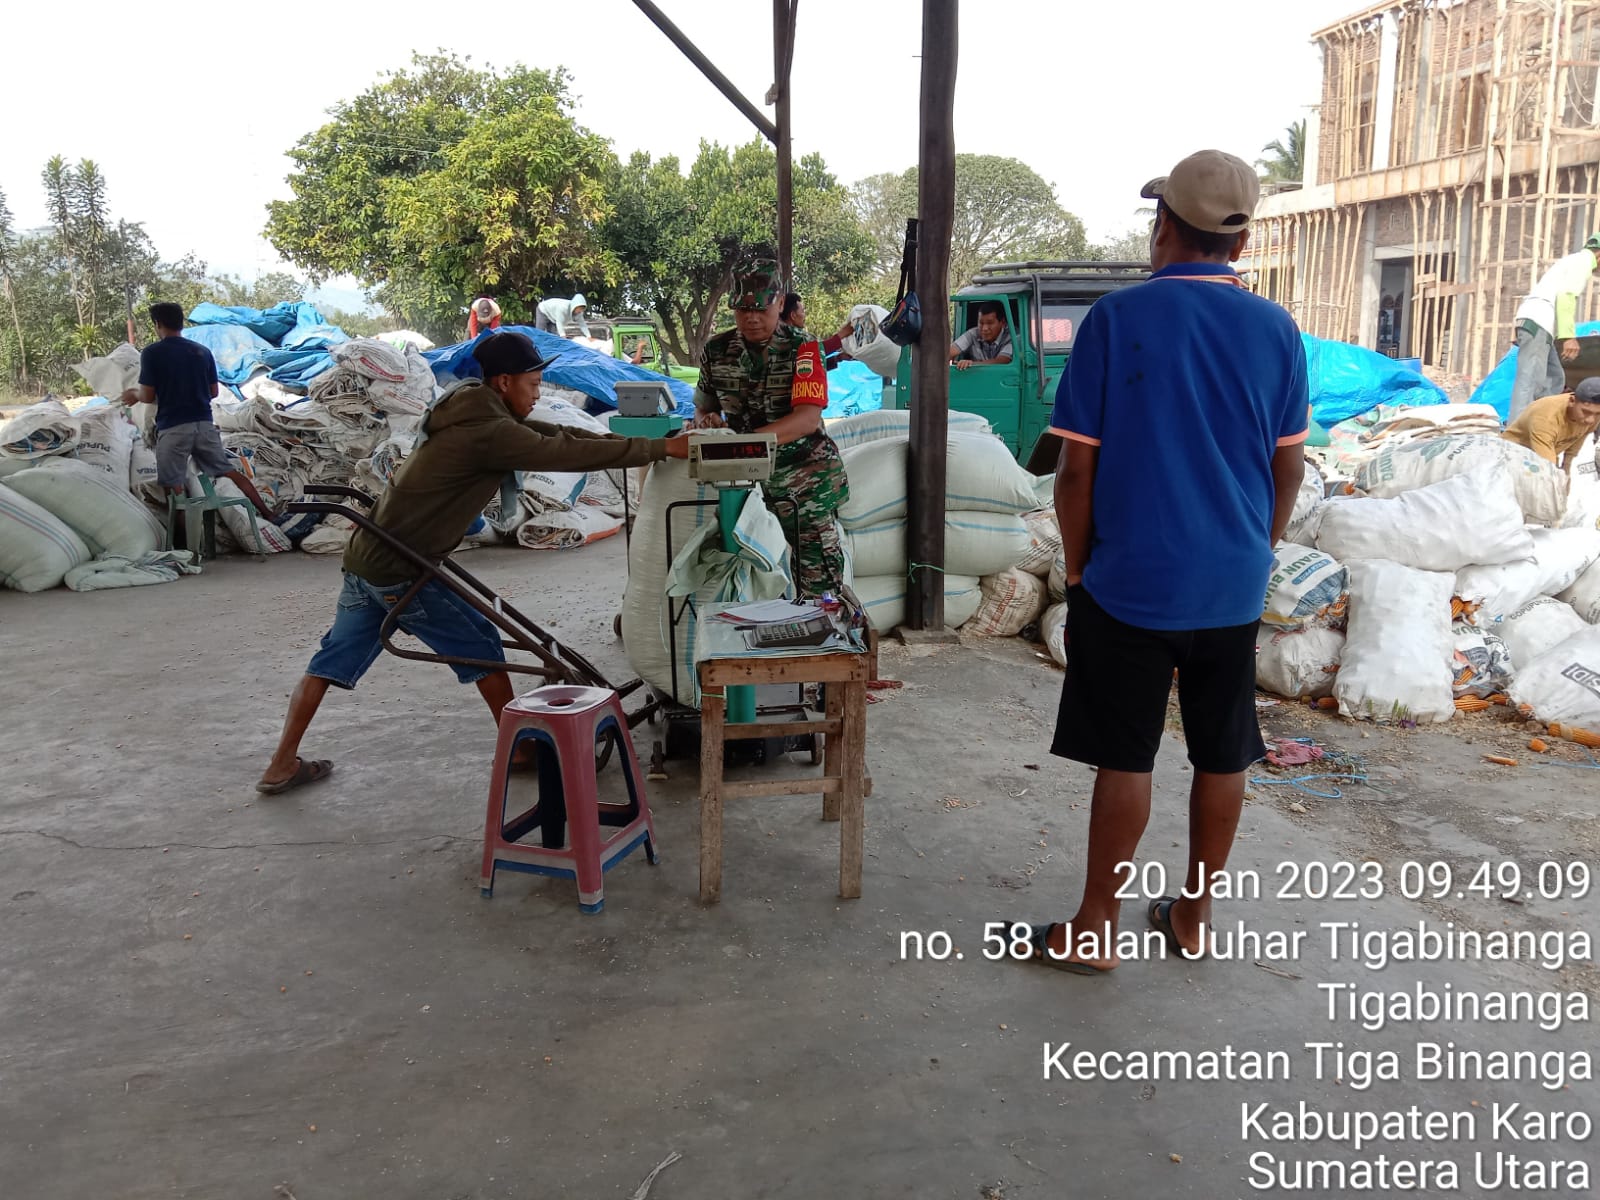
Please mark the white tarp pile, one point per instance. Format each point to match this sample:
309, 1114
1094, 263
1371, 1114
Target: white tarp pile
1443, 572
986, 495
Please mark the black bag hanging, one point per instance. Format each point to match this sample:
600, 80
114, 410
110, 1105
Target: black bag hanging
903, 325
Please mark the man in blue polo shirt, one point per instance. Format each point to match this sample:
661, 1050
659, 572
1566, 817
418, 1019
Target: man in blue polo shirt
1183, 409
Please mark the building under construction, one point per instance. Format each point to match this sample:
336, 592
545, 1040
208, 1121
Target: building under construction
1455, 154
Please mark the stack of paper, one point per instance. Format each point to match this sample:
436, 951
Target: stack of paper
766, 612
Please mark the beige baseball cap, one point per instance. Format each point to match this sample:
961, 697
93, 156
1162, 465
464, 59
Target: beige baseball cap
1212, 191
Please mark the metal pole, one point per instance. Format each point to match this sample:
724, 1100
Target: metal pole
930, 371
723, 84
783, 14
127, 292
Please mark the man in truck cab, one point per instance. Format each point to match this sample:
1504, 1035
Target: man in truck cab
989, 341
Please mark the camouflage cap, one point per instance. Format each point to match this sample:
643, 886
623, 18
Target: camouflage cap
756, 284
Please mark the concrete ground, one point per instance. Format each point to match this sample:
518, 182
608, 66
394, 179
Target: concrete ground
211, 994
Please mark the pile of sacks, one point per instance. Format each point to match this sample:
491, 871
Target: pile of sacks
987, 538
68, 513
1442, 570
999, 545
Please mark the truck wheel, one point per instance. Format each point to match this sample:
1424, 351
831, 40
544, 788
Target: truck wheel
1046, 454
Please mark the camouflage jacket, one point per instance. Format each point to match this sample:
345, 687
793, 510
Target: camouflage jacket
752, 389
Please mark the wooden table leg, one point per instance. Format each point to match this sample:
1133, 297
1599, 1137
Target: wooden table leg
851, 814
833, 746
712, 710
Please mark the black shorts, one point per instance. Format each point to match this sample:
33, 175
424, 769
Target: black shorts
1114, 699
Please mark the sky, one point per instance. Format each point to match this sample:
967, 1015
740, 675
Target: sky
189, 115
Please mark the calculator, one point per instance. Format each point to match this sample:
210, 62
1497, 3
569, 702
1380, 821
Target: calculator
785, 635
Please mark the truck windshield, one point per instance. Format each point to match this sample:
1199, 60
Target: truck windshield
1060, 319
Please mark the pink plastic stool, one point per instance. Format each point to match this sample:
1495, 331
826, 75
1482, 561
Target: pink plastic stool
565, 724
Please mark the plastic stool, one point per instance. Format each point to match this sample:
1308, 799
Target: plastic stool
564, 724
209, 504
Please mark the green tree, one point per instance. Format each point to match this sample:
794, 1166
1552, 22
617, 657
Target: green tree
1284, 158
445, 181
1004, 212
679, 235
18, 357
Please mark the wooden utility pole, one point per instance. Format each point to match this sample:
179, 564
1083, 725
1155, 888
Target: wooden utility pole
930, 369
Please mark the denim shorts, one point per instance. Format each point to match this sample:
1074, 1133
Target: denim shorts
436, 616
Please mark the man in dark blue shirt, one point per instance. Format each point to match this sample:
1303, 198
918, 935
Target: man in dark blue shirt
1183, 409
180, 378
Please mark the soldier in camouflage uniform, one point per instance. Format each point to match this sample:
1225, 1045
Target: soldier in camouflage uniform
766, 377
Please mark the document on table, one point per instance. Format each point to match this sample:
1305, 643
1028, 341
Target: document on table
766, 612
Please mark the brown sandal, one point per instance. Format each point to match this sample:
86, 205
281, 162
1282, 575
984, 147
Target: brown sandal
307, 770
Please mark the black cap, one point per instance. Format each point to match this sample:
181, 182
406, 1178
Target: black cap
509, 353
1588, 390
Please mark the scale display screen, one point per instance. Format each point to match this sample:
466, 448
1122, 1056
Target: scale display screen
732, 458
727, 450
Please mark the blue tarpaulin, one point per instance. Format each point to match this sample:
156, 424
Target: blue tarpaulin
237, 350
273, 324
1348, 380
579, 368
291, 340
853, 387
1495, 389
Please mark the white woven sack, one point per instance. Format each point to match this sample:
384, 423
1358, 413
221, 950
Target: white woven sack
39, 431
1012, 600
1396, 664
36, 549
1472, 518
1305, 586
884, 598
1044, 541
1560, 556
980, 476
567, 530
106, 436
1053, 628
1563, 683
1298, 662
1536, 627
868, 345
560, 489
975, 543
97, 507
1539, 486
644, 629
1308, 503
891, 422
1057, 585
1584, 594
143, 470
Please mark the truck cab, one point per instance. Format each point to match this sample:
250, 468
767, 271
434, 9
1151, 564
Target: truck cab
1044, 302
625, 333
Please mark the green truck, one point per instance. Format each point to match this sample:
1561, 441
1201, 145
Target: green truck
1044, 303
626, 333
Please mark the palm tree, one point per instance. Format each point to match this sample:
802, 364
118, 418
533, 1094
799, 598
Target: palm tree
1285, 163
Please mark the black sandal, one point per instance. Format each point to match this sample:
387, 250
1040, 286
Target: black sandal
1039, 939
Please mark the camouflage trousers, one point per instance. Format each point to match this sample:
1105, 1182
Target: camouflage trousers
811, 491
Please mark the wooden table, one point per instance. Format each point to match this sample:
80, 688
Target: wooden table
844, 783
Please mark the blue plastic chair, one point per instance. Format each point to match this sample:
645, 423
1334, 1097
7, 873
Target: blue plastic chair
207, 506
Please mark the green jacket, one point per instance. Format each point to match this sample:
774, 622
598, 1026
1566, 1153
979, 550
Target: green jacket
472, 442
